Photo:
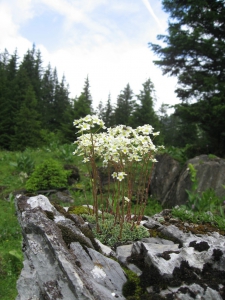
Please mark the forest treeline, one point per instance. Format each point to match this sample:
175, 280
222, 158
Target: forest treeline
35, 105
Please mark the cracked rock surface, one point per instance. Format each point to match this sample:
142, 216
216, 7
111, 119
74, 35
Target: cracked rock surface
61, 261
58, 269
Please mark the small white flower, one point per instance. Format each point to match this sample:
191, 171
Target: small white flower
86, 159
87, 118
114, 175
154, 160
126, 199
156, 133
121, 175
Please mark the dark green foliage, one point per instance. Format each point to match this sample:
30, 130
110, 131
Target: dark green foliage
144, 112
124, 106
195, 54
177, 133
32, 100
144, 109
83, 104
178, 154
47, 175
27, 123
132, 289
106, 113
8, 90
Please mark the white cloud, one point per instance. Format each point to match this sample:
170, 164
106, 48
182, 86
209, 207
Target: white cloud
149, 8
110, 48
9, 37
66, 9
108, 68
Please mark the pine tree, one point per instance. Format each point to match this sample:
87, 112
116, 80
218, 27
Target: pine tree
124, 106
195, 54
83, 104
144, 109
100, 110
27, 128
5, 120
8, 90
108, 116
45, 104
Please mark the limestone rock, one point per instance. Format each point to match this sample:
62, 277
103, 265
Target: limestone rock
164, 176
169, 181
61, 269
61, 263
181, 265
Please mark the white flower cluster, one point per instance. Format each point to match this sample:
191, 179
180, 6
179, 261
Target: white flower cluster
119, 175
86, 123
120, 144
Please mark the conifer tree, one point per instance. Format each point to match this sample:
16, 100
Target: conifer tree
144, 108
27, 128
45, 105
108, 116
83, 104
8, 92
5, 120
194, 53
124, 106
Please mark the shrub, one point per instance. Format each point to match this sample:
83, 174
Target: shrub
47, 175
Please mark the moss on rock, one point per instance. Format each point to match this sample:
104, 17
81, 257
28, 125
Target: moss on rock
79, 210
69, 237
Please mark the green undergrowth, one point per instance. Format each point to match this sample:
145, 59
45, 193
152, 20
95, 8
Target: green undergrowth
48, 175
199, 217
11, 257
109, 230
16, 169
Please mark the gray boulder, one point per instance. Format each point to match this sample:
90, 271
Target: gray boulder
169, 181
164, 177
181, 265
59, 261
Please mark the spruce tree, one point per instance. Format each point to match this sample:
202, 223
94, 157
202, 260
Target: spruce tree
194, 52
108, 116
124, 106
144, 112
27, 128
83, 104
5, 120
8, 92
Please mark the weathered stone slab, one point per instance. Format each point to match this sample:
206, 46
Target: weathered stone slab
181, 265
169, 181
52, 270
104, 274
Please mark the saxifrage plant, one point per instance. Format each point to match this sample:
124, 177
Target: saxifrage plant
130, 153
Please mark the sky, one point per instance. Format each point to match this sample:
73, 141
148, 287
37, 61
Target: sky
102, 39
